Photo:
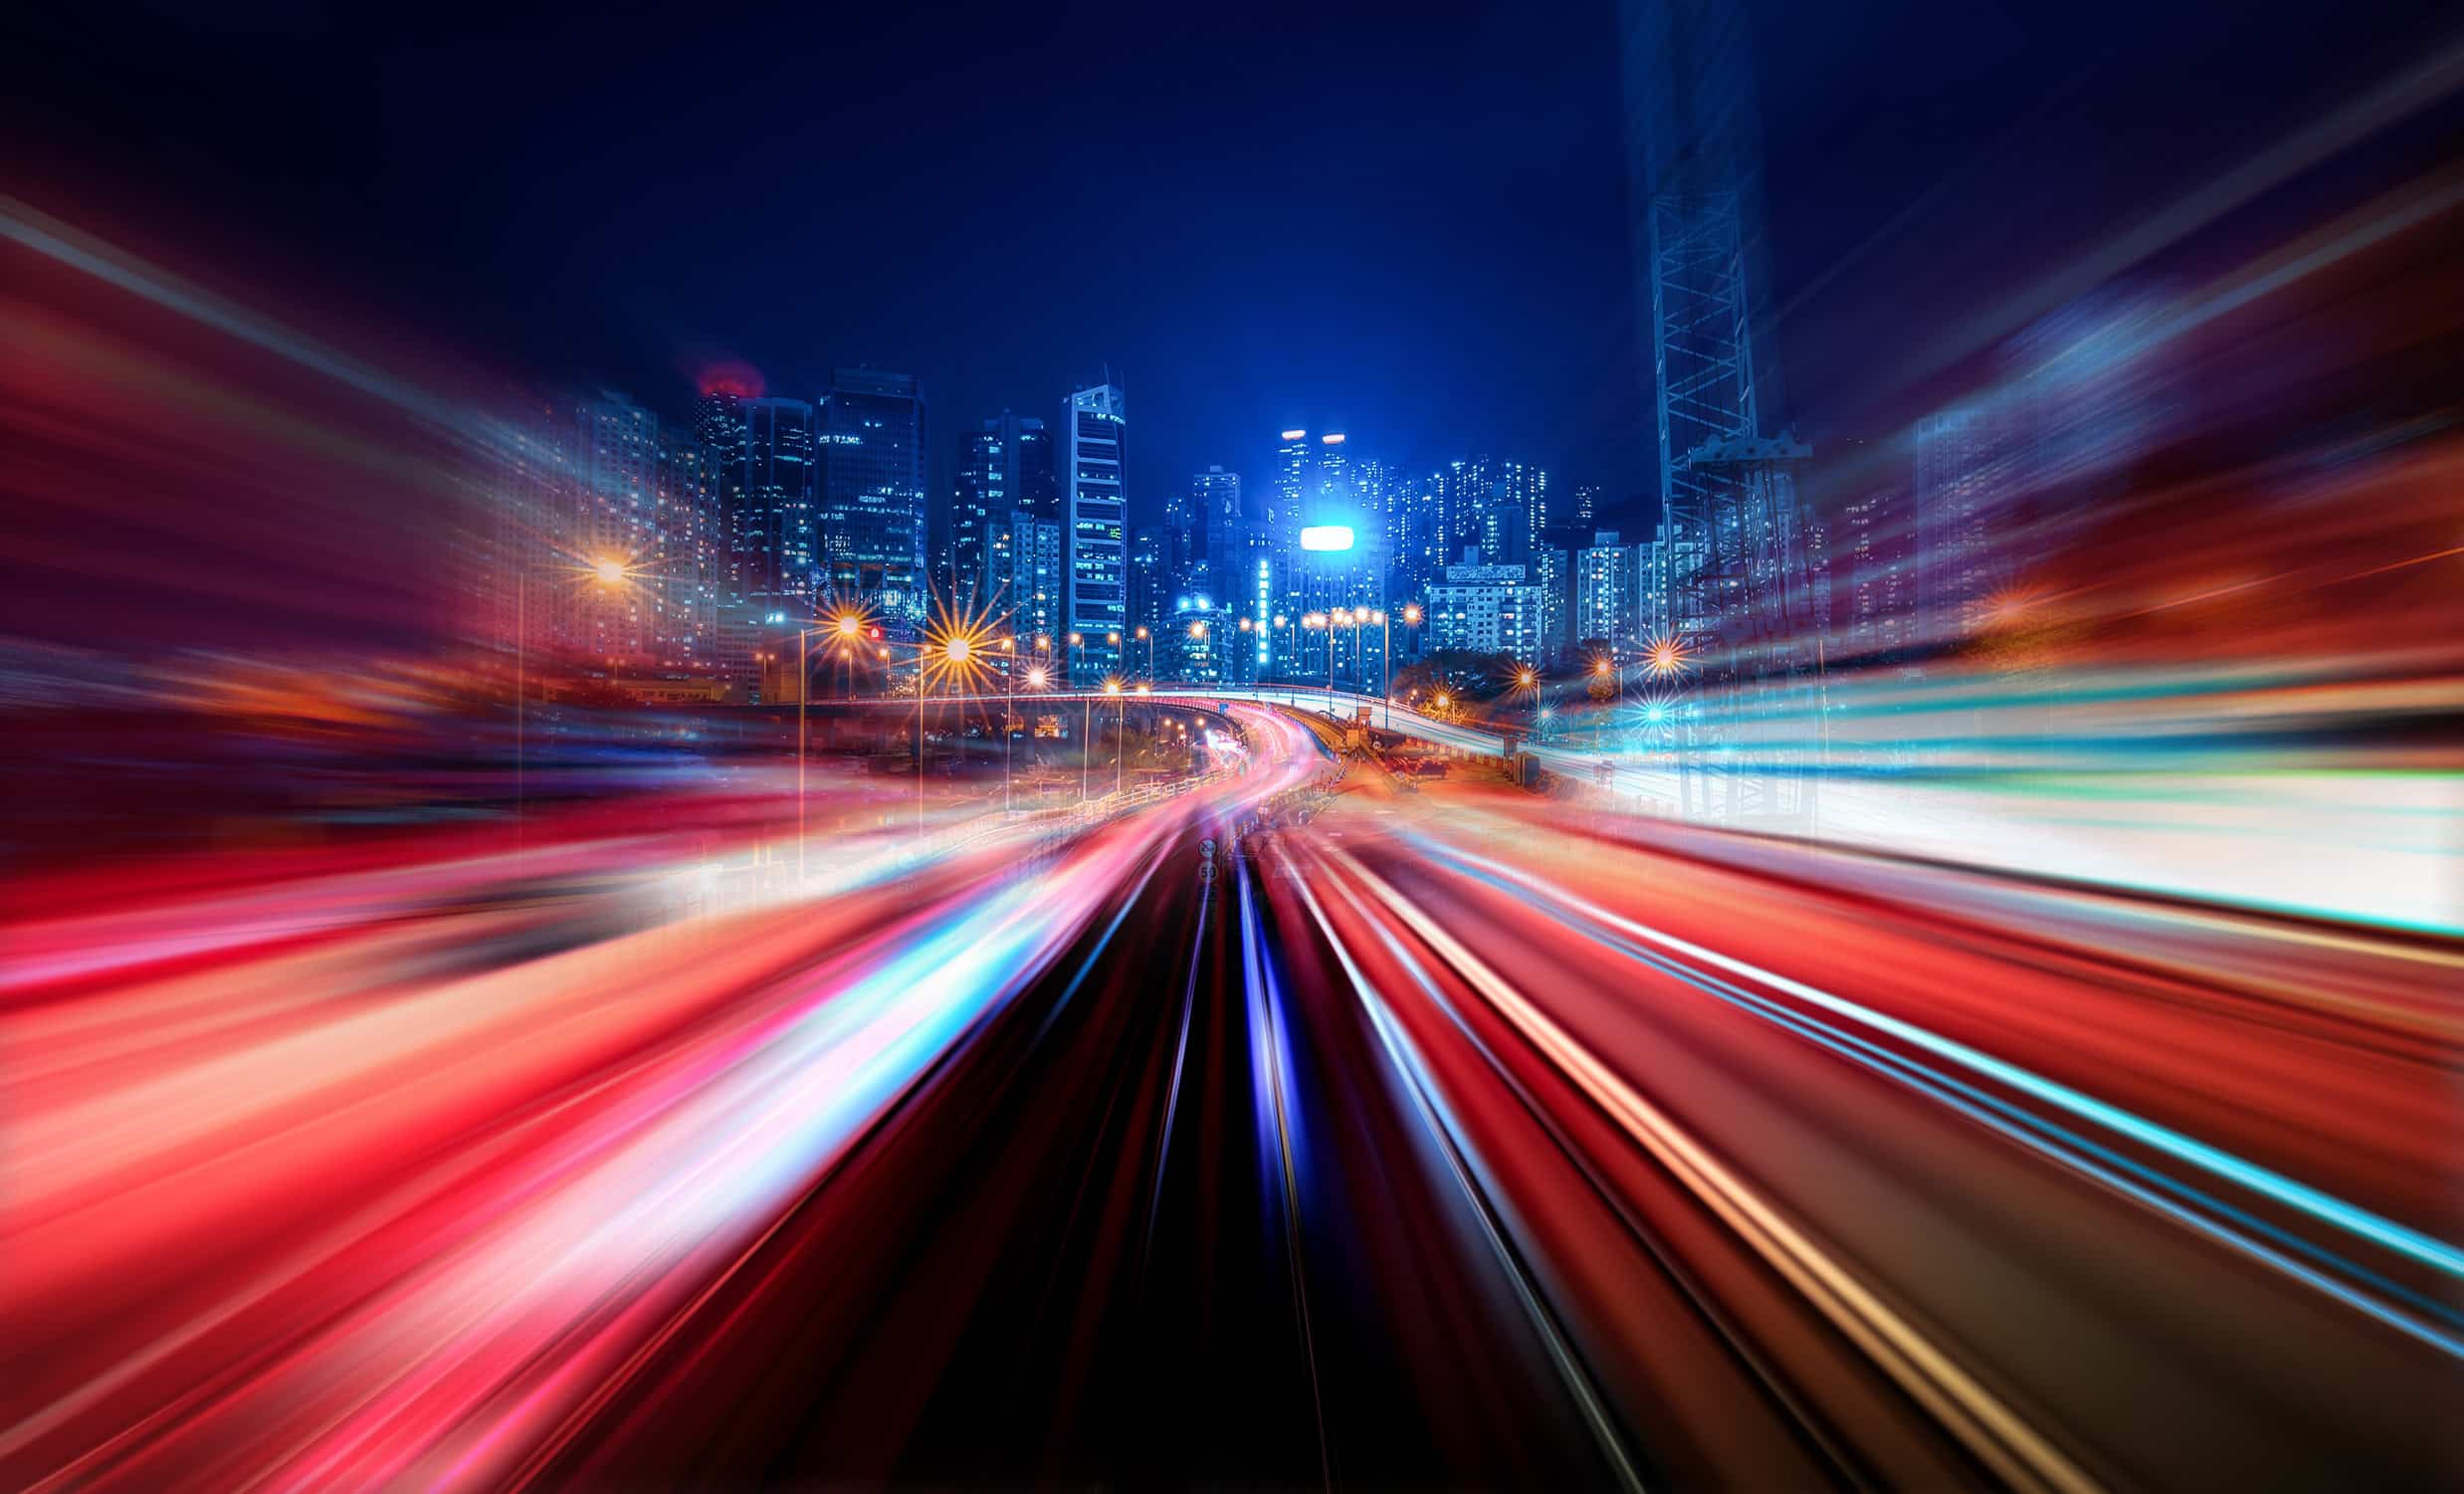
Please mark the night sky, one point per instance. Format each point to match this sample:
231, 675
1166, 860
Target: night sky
1408, 221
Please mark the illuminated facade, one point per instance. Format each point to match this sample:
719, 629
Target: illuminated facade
1026, 563
771, 521
1608, 587
1963, 462
1094, 524
1485, 608
1003, 466
872, 493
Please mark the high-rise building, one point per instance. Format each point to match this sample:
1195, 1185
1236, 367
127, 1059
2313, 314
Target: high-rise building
1552, 567
1474, 489
1004, 465
1152, 549
872, 493
1199, 640
599, 481
1215, 519
1608, 586
1485, 608
771, 482
975, 497
1295, 459
691, 582
1964, 461
1027, 566
1094, 524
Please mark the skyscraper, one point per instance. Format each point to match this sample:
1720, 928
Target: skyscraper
771, 481
1608, 588
609, 453
1295, 456
693, 565
1152, 547
1095, 523
1003, 465
1486, 608
1215, 517
1027, 568
1964, 457
1473, 488
872, 497
975, 497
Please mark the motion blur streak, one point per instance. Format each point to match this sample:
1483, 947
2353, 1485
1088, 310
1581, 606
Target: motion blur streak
2334, 1210
1990, 1429
575, 1155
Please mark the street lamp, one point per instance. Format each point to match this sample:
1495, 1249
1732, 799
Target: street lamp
1527, 678
1009, 707
1602, 668
1319, 621
1077, 640
1385, 662
1150, 640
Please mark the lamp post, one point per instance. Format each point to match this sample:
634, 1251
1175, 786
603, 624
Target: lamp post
1527, 678
1198, 634
1602, 669
1009, 707
1385, 662
804, 687
1316, 621
1077, 641
1149, 638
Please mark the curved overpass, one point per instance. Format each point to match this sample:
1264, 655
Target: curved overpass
1342, 705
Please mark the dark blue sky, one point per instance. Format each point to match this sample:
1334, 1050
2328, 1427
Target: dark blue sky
1406, 220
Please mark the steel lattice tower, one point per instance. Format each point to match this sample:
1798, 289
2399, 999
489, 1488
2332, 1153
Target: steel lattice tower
1732, 579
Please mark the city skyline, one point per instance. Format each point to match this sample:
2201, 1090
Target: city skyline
1645, 745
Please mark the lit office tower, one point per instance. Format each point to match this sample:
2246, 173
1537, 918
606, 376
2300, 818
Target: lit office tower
872, 497
1003, 466
1964, 461
1473, 488
1094, 524
1416, 541
1608, 590
1026, 563
719, 428
975, 495
771, 522
1214, 543
691, 572
1333, 468
1487, 608
1151, 550
608, 508
1295, 457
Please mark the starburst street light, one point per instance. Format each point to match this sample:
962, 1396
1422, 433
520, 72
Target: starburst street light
1665, 654
609, 573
